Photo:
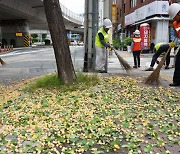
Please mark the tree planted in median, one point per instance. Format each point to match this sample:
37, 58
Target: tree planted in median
58, 34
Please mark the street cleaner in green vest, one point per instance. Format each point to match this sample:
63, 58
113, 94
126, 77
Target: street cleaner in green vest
102, 43
159, 49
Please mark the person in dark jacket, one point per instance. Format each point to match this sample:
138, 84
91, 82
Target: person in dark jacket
174, 13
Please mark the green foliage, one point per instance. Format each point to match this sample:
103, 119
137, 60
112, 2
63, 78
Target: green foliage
44, 37
34, 35
116, 42
121, 44
35, 40
127, 41
52, 81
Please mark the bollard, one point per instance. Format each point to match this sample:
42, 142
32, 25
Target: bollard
12, 48
9, 48
4, 48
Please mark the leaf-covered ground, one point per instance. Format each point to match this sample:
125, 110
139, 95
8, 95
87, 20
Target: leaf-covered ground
118, 115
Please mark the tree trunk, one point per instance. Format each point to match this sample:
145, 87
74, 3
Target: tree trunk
60, 44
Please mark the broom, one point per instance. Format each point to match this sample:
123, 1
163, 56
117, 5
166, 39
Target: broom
154, 76
123, 63
2, 62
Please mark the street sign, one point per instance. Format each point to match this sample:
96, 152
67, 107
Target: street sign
18, 34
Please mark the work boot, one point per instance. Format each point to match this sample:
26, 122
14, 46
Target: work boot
174, 84
102, 71
150, 69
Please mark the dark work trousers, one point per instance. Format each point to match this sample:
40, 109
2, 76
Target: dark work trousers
176, 77
158, 53
136, 55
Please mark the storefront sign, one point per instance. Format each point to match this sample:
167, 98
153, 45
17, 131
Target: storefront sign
145, 35
156, 7
130, 19
114, 14
140, 13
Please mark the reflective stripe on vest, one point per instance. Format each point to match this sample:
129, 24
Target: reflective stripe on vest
157, 46
137, 44
106, 37
176, 26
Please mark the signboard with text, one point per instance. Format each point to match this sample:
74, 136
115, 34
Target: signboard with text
145, 35
18, 34
156, 7
130, 19
114, 14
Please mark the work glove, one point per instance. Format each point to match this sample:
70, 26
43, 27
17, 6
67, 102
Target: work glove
110, 47
172, 44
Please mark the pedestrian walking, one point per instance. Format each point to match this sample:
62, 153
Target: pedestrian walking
159, 49
174, 13
136, 48
102, 43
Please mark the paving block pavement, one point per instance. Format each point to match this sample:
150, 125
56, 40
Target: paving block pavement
114, 67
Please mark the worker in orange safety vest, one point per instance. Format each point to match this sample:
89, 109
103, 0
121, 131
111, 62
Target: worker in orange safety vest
136, 48
174, 13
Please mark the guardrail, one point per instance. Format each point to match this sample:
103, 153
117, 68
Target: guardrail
76, 18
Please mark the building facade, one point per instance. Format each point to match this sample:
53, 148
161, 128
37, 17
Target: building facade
149, 16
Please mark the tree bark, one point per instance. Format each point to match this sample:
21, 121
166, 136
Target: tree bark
60, 44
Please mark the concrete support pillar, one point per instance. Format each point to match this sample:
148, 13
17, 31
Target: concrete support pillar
15, 32
162, 31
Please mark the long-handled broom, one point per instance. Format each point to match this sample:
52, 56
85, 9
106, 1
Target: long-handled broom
154, 76
123, 62
2, 62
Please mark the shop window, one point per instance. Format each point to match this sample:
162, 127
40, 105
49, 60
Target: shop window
133, 3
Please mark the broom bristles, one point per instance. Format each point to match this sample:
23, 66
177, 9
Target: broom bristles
2, 62
154, 76
123, 63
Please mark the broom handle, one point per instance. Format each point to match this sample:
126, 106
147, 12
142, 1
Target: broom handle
169, 49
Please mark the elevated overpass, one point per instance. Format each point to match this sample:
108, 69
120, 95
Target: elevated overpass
17, 17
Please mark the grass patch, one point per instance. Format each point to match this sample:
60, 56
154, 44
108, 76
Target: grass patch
52, 81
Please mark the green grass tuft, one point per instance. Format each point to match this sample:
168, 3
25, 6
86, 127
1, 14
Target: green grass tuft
52, 81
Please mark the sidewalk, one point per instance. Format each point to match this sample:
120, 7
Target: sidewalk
114, 67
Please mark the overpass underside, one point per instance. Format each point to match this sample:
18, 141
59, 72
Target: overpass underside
18, 17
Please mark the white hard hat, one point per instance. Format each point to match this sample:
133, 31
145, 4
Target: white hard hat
137, 32
107, 23
173, 10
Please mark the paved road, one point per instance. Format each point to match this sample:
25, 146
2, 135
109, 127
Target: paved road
30, 62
